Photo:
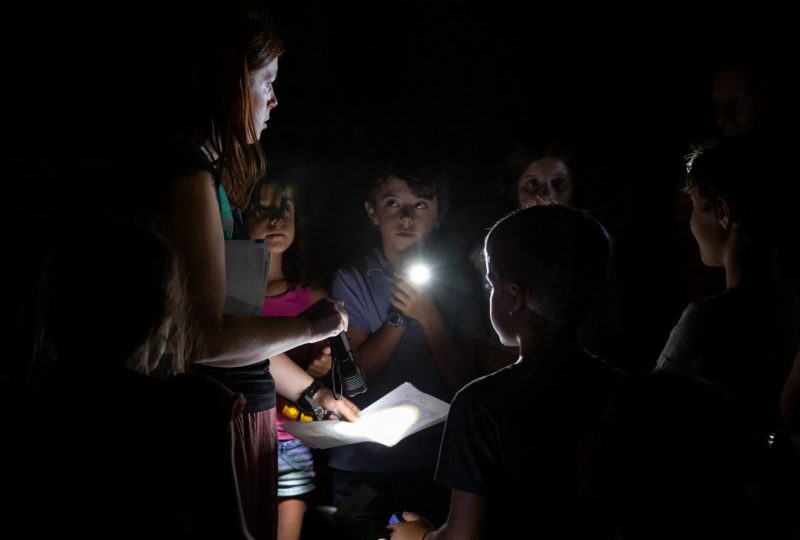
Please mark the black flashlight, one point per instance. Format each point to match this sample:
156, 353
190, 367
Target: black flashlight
346, 374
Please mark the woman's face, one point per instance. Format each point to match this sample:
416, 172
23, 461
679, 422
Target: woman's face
262, 96
736, 103
545, 180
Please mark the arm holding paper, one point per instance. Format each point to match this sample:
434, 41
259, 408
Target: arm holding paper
292, 381
400, 413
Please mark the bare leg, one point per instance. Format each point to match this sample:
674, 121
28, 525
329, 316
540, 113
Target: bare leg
290, 518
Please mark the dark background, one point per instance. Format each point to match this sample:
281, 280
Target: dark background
462, 80
361, 83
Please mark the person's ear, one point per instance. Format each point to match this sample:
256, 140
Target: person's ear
518, 298
371, 213
723, 213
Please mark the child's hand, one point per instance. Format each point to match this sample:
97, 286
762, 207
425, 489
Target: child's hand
413, 527
320, 360
414, 303
342, 408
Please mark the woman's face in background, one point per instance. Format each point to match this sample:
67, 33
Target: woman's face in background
545, 180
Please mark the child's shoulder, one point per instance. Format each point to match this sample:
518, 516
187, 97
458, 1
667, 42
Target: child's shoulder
371, 260
318, 292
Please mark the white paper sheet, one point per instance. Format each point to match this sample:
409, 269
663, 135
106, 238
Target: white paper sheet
395, 416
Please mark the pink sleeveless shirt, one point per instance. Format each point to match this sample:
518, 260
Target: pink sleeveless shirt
289, 304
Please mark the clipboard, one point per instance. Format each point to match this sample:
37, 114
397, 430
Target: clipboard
246, 267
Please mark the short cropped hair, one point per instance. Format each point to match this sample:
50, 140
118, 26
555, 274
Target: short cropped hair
560, 253
424, 180
747, 172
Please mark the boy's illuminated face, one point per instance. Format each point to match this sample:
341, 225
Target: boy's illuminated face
403, 217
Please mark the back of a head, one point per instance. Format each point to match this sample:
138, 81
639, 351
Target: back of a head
113, 302
750, 173
561, 253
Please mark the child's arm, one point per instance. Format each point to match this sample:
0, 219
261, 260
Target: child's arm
291, 381
373, 351
466, 520
455, 363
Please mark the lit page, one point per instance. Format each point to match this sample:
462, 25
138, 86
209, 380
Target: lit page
395, 416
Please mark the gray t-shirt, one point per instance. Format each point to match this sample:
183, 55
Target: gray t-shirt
742, 341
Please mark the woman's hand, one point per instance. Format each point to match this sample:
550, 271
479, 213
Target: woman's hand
321, 360
326, 318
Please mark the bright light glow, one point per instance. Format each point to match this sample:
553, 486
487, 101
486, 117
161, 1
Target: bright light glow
387, 426
419, 274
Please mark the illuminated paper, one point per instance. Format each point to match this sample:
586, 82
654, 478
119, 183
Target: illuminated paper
400, 413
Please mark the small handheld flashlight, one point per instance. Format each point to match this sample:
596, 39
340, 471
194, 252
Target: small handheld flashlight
418, 273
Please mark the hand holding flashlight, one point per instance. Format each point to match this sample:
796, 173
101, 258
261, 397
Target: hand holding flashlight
410, 296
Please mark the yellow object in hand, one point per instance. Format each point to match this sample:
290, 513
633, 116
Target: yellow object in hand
291, 411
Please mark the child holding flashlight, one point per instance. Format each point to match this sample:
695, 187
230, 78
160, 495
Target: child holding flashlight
404, 331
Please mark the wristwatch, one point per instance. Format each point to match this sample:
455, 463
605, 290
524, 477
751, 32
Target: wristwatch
395, 318
309, 405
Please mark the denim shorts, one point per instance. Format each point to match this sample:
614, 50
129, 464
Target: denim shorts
295, 468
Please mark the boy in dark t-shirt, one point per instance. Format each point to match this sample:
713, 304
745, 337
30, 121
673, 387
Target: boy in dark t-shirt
515, 441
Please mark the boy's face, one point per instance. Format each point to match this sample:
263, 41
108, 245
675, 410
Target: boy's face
404, 218
707, 229
500, 304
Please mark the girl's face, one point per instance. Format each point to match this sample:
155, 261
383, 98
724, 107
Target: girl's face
264, 221
545, 180
707, 230
262, 96
403, 217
